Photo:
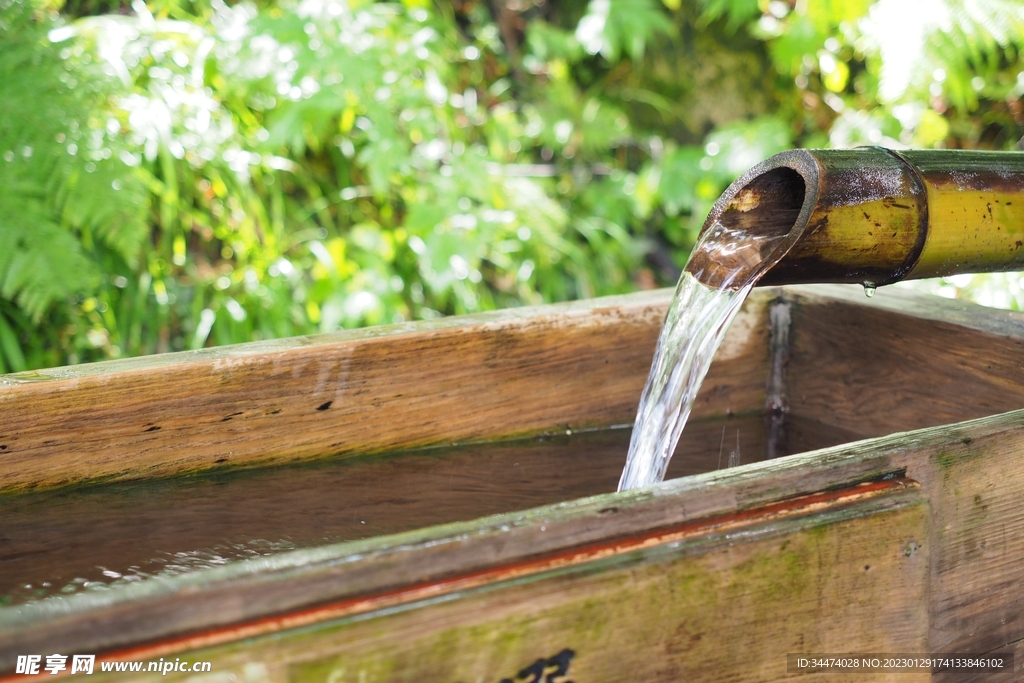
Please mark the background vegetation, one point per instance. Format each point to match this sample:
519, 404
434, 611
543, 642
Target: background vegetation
181, 173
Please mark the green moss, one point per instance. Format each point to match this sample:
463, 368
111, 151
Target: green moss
952, 458
946, 459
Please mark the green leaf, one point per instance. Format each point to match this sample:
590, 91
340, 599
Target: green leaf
738, 146
547, 42
680, 174
738, 12
801, 38
614, 27
11, 359
57, 171
827, 15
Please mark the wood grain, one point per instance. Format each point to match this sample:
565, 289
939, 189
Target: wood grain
247, 592
857, 366
719, 603
972, 585
468, 378
900, 360
975, 484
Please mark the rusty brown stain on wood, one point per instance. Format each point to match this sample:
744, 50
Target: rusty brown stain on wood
477, 377
53, 536
249, 591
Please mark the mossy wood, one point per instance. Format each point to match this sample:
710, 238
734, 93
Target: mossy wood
683, 603
905, 542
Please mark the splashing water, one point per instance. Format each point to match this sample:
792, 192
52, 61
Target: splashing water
697, 320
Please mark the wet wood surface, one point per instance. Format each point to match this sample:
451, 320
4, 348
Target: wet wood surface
701, 607
975, 484
60, 541
214, 604
974, 481
494, 375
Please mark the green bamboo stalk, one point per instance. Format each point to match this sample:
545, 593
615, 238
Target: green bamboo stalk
873, 216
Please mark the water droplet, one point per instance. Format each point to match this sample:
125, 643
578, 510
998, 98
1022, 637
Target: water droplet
869, 289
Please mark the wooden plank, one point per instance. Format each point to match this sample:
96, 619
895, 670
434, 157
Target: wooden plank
250, 591
94, 534
901, 360
722, 602
974, 578
468, 378
972, 473
975, 484
1016, 647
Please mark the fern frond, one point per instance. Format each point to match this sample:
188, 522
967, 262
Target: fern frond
953, 43
57, 173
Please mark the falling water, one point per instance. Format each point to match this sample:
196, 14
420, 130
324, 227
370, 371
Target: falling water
697, 320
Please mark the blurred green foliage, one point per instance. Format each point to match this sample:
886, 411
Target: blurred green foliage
177, 173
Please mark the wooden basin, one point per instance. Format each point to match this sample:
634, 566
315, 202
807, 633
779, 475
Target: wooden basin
515, 561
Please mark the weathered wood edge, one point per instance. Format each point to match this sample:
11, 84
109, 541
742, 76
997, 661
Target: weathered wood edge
899, 361
853, 511
953, 312
626, 658
514, 372
338, 567
471, 378
257, 588
560, 313
837, 504
902, 360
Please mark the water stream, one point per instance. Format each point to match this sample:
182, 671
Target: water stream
734, 259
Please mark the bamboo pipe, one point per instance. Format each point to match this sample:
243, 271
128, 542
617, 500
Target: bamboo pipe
870, 215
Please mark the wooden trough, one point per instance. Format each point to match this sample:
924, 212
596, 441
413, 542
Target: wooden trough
909, 541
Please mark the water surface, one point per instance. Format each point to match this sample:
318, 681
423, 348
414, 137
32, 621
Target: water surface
65, 541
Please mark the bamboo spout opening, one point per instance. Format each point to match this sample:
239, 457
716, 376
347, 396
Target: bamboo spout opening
754, 224
870, 215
